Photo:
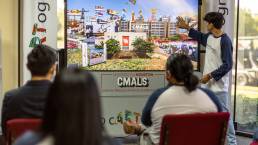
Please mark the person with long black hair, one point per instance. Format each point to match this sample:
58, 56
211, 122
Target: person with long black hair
72, 113
181, 96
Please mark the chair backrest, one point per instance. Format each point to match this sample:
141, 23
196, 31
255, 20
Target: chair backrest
194, 129
17, 127
254, 143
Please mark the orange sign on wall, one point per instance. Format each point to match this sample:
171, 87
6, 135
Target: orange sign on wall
125, 41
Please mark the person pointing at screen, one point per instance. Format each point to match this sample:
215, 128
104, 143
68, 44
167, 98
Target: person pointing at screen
218, 60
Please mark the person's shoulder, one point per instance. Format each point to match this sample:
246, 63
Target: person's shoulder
213, 97
225, 37
29, 138
13, 92
158, 92
161, 90
206, 91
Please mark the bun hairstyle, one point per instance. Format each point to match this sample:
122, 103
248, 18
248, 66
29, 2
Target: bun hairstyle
41, 59
180, 66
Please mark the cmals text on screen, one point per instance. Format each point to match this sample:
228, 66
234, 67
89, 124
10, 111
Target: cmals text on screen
132, 82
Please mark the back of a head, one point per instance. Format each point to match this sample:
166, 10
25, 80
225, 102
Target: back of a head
181, 68
41, 59
216, 18
72, 112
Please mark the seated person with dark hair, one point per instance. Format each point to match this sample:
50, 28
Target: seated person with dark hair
181, 97
28, 101
72, 115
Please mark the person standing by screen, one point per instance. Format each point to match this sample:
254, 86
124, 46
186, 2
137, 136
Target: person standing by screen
218, 60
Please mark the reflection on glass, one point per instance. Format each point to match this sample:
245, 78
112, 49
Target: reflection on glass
247, 68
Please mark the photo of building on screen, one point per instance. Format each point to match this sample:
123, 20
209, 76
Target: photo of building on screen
128, 35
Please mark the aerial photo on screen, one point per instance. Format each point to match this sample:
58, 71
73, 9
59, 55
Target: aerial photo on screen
128, 34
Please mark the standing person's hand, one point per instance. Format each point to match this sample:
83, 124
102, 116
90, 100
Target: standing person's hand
205, 79
181, 23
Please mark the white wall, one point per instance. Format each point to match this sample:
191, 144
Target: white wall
9, 31
9, 45
1, 83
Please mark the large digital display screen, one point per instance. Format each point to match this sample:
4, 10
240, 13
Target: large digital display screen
128, 34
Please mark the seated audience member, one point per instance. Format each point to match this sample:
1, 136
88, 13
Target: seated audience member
28, 101
72, 114
181, 97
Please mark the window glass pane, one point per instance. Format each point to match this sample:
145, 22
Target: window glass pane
247, 67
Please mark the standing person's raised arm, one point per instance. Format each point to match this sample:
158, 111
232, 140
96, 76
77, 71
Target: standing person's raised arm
196, 35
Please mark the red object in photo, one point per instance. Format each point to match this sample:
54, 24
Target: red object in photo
125, 41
